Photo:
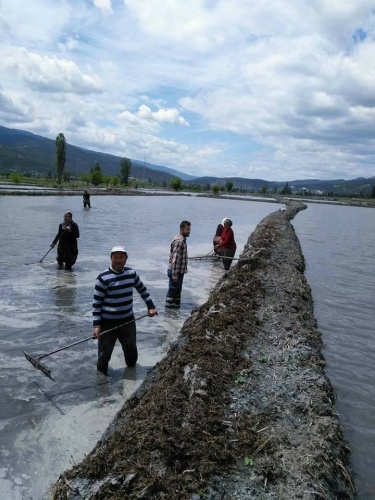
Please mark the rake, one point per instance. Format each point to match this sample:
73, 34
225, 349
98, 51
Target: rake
35, 361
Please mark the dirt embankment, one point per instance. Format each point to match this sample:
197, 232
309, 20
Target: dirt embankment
240, 407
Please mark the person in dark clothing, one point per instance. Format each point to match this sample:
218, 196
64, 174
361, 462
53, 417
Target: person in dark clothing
217, 237
86, 199
227, 246
112, 309
67, 249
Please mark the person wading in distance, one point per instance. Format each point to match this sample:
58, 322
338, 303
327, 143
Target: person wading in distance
113, 306
86, 199
178, 259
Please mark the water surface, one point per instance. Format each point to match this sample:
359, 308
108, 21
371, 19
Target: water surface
338, 244
47, 426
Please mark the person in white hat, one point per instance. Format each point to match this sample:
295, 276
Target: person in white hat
113, 309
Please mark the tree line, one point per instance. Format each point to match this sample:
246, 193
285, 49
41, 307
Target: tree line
96, 177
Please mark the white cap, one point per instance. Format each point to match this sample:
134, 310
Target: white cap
118, 248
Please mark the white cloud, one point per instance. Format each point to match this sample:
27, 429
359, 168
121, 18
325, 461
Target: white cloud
171, 116
104, 5
272, 90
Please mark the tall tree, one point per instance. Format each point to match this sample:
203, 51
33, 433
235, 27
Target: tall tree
229, 186
60, 144
216, 189
286, 189
125, 169
176, 183
96, 174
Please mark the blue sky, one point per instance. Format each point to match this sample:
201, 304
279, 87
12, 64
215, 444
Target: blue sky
279, 90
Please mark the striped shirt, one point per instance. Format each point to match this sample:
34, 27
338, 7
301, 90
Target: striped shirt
178, 257
113, 295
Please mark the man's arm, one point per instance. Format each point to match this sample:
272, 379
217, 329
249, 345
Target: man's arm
99, 295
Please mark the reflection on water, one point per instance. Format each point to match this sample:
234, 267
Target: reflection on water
64, 290
43, 424
338, 244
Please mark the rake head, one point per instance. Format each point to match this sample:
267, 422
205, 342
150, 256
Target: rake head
38, 365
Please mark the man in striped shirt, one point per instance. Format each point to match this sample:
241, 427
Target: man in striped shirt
178, 260
113, 309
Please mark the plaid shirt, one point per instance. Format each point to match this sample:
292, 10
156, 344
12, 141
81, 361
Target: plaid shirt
178, 257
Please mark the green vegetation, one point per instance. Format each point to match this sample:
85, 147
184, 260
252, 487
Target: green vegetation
286, 189
229, 186
248, 461
176, 183
15, 177
60, 156
96, 174
125, 170
216, 189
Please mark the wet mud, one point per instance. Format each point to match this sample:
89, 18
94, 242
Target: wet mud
240, 406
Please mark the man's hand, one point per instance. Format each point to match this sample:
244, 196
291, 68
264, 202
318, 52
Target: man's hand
152, 312
52, 245
97, 332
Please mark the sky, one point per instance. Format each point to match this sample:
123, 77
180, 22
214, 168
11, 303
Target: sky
280, 90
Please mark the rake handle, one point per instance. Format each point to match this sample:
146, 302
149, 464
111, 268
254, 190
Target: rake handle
89, 338
66, 347
44, 256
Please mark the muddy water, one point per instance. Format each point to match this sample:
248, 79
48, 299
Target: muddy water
46, 426
338, 244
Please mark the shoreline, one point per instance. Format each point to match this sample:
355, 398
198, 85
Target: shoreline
368, 203
240, 406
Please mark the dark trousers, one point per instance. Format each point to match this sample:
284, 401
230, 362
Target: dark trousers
67, 252
174, 289
227, 252
106, 342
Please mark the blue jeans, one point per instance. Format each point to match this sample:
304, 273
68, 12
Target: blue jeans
174, 289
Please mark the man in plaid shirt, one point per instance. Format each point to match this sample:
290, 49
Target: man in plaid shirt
178, 259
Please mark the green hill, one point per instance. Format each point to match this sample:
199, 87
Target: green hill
32, 154
24, 152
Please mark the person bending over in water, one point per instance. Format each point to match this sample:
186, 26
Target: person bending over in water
227, 246
216, 239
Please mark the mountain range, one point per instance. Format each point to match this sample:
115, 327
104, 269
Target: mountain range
25, 152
